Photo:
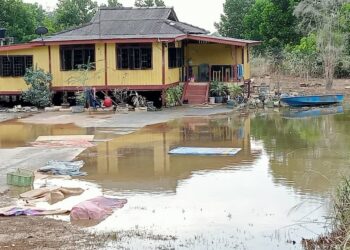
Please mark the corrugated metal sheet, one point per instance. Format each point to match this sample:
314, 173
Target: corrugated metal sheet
114, 23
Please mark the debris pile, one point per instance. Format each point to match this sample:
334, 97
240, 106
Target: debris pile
19, 109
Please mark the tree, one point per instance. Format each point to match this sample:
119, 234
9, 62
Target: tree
71, 13
114, 3
159, 3
149, 3
273, 22
303, 59
324, 18
21, 19
231, 22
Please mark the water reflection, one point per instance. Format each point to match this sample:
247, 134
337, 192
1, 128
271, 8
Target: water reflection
313, 112
244, 201
17, 134
309, 154
140, 161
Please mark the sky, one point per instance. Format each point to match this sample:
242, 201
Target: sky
202, 13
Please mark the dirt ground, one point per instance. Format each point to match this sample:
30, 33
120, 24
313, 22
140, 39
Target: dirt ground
301, 86
42, 233
26, 232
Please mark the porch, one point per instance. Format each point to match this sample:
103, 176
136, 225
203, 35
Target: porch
209, 73
202, 62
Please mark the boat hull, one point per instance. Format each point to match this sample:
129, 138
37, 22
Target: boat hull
315, 100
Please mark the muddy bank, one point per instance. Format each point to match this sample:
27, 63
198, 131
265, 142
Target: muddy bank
43, 233
312, 86
132, 120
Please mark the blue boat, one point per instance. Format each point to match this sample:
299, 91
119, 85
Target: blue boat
312, 100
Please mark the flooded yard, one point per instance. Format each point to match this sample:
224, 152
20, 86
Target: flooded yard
270, 195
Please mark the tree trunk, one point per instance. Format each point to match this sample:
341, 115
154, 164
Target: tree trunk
328, 74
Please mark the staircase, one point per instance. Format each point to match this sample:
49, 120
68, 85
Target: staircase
196, 93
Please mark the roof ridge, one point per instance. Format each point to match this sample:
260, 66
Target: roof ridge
72, 28
134, 8
138, 20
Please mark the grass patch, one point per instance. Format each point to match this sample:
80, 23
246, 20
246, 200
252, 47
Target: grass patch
339, 238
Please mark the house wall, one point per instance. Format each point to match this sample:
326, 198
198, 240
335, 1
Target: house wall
172, 75
198, 53
17, 84
209, 54
69, 78
118, 77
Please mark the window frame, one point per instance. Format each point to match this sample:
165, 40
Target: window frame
129, 52
28, 61
72, 48
243, 55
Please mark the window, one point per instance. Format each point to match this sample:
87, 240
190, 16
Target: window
73, 56
134, 56
13, 66
175, 57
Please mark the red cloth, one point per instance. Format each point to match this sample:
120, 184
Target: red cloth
97, 208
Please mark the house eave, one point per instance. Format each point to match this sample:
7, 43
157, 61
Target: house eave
20, 46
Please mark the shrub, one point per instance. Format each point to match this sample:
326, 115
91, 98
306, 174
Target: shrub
39, 93
174, 95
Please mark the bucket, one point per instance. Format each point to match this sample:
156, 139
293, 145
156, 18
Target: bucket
211, 100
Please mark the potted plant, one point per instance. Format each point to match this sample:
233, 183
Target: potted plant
80, 80
236, 94
80, 100
218, 90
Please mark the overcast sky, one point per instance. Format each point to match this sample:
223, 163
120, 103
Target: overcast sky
197, 12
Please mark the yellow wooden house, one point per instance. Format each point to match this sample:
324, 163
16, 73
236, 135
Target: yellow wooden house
144, 49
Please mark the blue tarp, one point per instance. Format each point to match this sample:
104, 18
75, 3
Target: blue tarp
240, 71
71, 168
204, 151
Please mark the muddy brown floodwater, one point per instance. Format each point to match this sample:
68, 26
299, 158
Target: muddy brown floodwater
272, 194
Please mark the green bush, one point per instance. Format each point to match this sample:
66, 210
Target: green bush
39, 93
174, 95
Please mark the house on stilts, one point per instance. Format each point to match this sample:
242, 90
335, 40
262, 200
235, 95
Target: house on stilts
143, 49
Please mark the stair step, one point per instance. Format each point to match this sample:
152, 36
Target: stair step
196, 88
194, 95
196, 101
197, 92
200, 100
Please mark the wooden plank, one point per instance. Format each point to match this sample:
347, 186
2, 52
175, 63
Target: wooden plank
66, 138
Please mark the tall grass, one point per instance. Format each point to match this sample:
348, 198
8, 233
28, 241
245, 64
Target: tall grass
339, 237
342, 205
260, 66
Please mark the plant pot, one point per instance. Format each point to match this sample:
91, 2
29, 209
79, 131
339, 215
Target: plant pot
231, 104
78, 109
211, 100
219, 99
